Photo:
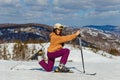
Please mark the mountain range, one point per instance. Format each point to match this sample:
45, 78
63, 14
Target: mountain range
105, 37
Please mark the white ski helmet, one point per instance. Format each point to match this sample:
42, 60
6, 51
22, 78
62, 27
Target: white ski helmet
58, 26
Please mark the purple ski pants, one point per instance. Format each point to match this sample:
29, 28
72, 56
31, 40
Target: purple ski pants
63, 53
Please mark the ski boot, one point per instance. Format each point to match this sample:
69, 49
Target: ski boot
41, 55
62, 68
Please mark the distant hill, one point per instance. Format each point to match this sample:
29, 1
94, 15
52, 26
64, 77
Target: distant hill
105, 28
106, 37
24, 32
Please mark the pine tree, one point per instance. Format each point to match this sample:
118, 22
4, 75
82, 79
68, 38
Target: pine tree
20, 51
1, 51
5, 53
114, 52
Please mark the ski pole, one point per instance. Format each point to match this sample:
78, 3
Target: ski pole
80, 43
18, 64
28, 58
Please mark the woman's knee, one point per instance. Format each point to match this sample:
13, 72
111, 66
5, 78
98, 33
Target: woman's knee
49, 69
67, 50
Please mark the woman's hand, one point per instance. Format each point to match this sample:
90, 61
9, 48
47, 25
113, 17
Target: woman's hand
77, 32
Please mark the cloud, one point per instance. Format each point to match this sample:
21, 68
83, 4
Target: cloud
22, 10
10, 3
80, 12
37, 5
87, 8
107, 5
73, 4
85, 5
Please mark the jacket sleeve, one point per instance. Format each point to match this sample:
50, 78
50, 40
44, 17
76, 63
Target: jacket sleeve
62, 39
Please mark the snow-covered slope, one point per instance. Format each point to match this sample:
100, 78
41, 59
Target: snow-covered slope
106, 68
89, 55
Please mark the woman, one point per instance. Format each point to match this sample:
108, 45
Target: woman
56, 49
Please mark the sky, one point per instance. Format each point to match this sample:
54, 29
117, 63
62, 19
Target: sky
66, 12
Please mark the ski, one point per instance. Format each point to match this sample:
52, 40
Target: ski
64, 72
92, 74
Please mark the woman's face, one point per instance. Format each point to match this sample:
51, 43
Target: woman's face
58, 31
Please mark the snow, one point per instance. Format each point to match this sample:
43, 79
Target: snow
106, 68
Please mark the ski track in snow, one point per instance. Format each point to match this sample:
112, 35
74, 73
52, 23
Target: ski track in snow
106, 69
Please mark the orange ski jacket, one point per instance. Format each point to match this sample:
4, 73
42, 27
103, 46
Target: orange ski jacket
56, 40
